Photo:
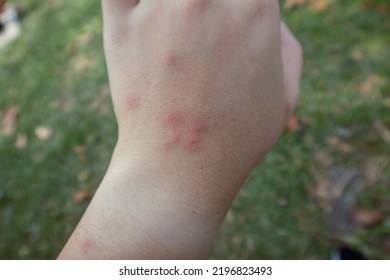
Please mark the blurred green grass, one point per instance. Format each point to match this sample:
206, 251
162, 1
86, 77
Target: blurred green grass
55, 76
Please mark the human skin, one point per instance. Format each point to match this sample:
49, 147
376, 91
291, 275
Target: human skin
201, 91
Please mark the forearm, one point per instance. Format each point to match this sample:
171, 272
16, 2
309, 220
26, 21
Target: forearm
148, 211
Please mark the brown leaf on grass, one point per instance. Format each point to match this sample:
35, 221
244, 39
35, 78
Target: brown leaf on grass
317, 5
383, 8
320, 5
8, 121
367, 4
382, 130
292, 124
365, 217
43, 133
82, 196
290, 4
79, 150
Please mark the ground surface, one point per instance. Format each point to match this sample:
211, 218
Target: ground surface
327, 180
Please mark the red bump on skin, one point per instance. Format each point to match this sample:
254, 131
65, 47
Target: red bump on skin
132, 101
169, 58
174, 119
196, 135
184, 130
87, 245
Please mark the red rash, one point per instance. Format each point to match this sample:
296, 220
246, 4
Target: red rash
87, 245
169, 58
184, 130
132, 101
174, 120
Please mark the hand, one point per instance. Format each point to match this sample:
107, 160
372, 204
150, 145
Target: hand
201, 94
198, 84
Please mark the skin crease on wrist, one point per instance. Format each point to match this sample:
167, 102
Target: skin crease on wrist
201, 91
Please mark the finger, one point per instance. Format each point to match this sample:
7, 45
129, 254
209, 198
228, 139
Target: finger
292, 56
115, 11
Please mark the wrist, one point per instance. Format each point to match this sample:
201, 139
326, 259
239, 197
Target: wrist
160, 212
206, 185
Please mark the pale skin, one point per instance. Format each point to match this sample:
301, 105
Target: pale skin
201, 90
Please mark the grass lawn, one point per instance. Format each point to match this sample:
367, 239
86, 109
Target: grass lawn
327, 180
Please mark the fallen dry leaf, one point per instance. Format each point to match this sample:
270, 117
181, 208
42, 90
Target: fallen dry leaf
8, 121
292, 124
383, 8
320, 5
365, 217
317, 5
290, 4
43, 133
82, 196
367, 4
79, 150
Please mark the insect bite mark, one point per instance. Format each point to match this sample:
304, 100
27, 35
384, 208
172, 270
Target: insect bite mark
87, 245
174, 120
169, 58
184, 130
132, 101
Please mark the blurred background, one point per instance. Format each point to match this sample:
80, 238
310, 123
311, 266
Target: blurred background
326, 183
